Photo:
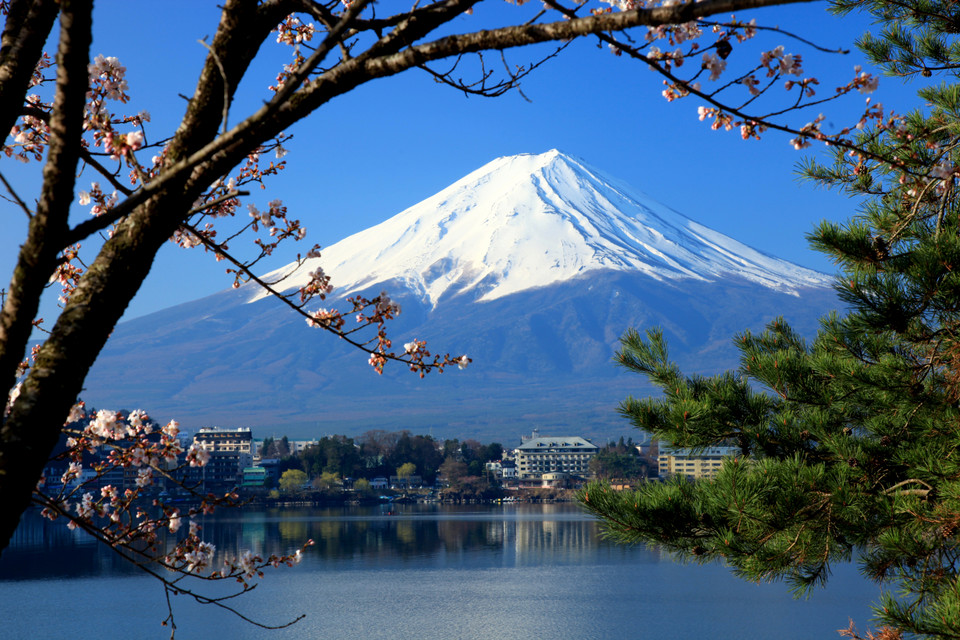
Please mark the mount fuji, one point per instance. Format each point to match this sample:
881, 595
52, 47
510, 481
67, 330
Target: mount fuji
534, 265
529, 221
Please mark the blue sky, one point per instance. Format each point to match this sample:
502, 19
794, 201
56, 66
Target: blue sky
372, 153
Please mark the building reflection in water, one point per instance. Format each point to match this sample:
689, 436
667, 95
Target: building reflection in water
362, 537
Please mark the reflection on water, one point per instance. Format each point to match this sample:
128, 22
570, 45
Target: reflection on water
418, 571
426, 535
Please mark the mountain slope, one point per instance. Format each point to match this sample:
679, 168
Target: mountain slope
533, 265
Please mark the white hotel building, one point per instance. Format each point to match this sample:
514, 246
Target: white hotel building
551, 454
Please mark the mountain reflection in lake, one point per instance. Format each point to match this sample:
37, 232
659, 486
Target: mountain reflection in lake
417, 571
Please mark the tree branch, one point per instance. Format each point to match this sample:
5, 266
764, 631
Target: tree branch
24, 445
27, 27
16, 198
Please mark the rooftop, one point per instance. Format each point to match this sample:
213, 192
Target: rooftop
557, 442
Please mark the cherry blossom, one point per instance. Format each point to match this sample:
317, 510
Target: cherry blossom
867, 83
199, 558
72, 472
144, 477
318, 285
119, 518
714, 65
294, 32
171, 429
197, 456
944, 170
108, 74
76, 412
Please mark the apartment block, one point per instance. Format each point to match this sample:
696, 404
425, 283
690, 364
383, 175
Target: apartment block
683, 462
231, 451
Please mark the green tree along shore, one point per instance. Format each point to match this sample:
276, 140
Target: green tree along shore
850, 442
621, 461
333, 459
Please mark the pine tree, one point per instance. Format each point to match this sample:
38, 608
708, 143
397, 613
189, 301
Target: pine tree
850, 442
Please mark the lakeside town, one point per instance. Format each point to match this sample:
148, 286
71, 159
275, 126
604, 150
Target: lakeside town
384, 465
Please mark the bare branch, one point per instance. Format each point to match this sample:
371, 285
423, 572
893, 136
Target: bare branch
16, 198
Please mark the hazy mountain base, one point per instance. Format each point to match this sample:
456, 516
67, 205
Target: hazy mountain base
542, 358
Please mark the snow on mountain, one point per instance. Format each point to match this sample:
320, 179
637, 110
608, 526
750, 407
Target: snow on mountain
533, 224
527, 221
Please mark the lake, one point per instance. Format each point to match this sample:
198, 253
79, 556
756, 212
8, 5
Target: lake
530, 571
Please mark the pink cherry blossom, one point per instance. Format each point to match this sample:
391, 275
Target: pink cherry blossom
197, 456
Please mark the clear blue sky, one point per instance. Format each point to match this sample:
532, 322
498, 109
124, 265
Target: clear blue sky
370, 154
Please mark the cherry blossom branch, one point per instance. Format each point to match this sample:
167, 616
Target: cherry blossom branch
298, 77
385, 59
175, 172
37, 255
28, 24
101, 222
133, 543
230, 195
784, 32
86, 155
110, 176
218, 602
480, 87
749, 123
415, 355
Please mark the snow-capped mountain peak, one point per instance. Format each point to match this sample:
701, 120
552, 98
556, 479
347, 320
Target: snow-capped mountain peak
589, 256
527, 221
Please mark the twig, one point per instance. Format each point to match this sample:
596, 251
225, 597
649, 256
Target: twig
13, 193
902, 483
226, 85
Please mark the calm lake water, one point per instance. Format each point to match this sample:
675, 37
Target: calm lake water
422, 572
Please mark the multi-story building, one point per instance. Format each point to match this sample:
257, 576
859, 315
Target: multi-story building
231, 450
502, 469
254, 477
554, 454
683, 462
